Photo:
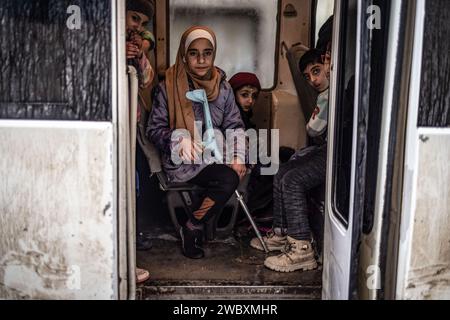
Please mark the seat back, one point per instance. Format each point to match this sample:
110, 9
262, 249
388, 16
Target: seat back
306, 94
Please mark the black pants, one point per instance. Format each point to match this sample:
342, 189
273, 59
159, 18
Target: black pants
219, 183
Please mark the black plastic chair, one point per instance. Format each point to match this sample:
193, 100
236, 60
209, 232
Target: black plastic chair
179, 196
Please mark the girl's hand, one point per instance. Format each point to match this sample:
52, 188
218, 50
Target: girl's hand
189, 150
136, 39
133, 51
239, 168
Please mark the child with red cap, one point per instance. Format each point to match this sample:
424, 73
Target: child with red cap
246, 87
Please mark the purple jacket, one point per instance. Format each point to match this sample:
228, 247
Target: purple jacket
224, 114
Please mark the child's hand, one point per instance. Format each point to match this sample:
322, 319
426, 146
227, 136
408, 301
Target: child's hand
134, 47
133, 51
189, 150
239, 168
137, 40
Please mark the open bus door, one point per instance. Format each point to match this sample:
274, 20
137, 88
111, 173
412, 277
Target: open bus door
342, 221
361, 101
65, 209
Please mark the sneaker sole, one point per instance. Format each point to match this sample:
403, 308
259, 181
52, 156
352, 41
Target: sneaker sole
271, 249
304, 266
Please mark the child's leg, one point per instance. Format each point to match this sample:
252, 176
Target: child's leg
220, 182
279, 216
308, 173
276, 240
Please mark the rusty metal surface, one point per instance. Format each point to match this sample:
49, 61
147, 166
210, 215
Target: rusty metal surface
192, 292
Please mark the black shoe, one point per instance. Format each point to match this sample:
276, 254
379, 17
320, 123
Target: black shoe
190, 243
143, 242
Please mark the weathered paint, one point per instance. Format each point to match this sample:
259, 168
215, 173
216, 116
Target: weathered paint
49, 71
434, 107
429, 266
57, 238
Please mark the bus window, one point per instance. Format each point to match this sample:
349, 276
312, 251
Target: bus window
373, 83
53, 66
342, 158
324, 9
246, 33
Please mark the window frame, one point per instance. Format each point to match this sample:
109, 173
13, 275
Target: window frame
314, 6
277, 43
340, 93
373, 83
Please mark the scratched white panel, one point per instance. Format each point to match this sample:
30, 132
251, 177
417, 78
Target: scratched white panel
429, 272
57, 233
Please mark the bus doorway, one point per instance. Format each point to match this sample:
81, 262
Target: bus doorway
231, 268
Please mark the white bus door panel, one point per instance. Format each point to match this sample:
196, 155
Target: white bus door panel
342, 224
59, 166
57, 238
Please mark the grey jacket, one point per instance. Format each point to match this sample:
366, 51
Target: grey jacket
224, 113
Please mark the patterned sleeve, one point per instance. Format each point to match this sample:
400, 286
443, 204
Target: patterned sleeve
317, 125
146, 71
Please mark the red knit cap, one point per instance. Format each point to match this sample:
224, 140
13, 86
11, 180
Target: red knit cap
242, 79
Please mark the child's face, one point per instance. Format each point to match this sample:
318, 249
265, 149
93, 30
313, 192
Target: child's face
200, 57
316, 75
246, 97
136, 21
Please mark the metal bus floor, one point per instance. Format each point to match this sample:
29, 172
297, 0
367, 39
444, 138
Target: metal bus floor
231, 269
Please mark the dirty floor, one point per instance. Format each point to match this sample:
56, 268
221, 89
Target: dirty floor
231, 269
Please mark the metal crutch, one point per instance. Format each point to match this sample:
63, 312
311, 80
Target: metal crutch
210, 143
240, 198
